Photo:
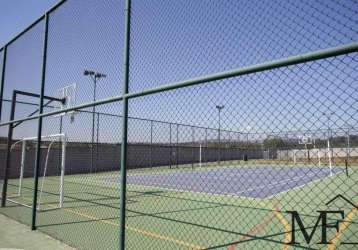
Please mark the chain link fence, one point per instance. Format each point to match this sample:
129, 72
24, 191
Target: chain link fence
184, 124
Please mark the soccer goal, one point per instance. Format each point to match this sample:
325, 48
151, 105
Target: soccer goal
49, 196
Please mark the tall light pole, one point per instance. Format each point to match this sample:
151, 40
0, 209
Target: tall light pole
219, 108
95, 77
328, 115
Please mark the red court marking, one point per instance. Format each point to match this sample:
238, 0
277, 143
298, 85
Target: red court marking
254, 230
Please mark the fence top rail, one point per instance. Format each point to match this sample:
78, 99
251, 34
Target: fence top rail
284, 62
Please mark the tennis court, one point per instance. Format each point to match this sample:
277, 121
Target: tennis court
208, 208
256, 181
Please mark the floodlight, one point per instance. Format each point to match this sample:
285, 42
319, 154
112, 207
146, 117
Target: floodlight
100, 75
88, 73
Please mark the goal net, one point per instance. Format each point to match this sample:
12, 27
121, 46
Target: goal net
51, 174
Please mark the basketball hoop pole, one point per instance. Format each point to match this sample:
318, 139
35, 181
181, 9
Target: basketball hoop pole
328, 115
308, 153
219, 108
329, 157
200, 155
305, 140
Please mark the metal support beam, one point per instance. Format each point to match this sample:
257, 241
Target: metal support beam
177, 146
170, 145
32, 113
192, 147
60, 132
151, 144
123, 177
2, 83
39, 128
39, 96
206, 147
97, 140
93, 123
8, 151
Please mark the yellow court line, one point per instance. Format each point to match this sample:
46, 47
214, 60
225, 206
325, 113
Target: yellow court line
344, 226
144, 232
286, 225
131, 228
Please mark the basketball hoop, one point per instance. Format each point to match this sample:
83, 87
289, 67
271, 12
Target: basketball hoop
305, 140
68, 93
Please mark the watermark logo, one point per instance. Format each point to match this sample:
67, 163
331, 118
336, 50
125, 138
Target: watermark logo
323, 216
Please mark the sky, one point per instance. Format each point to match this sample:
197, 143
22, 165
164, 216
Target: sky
178, 40
15, 15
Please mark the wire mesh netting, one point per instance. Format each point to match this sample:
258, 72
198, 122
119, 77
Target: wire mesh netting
86, 36
1, 67
264, 168
183, 37
23, 68
263, 156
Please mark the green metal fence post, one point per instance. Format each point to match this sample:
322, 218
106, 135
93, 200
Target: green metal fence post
192, 147
124, 129
39, 128
151, 144
97, 141
2, 83
177, 156
170, 145
206, 146
8, 150
93, 123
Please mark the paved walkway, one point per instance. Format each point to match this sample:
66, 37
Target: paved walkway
14, 235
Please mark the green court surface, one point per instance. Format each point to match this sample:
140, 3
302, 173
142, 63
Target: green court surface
175, 219
14, 235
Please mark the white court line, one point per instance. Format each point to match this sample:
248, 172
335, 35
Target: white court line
285, 181
177, 190
303, 185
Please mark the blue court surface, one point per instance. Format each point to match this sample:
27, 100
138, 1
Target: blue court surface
255, 181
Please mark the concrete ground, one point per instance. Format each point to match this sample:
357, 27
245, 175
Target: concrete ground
14, 235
